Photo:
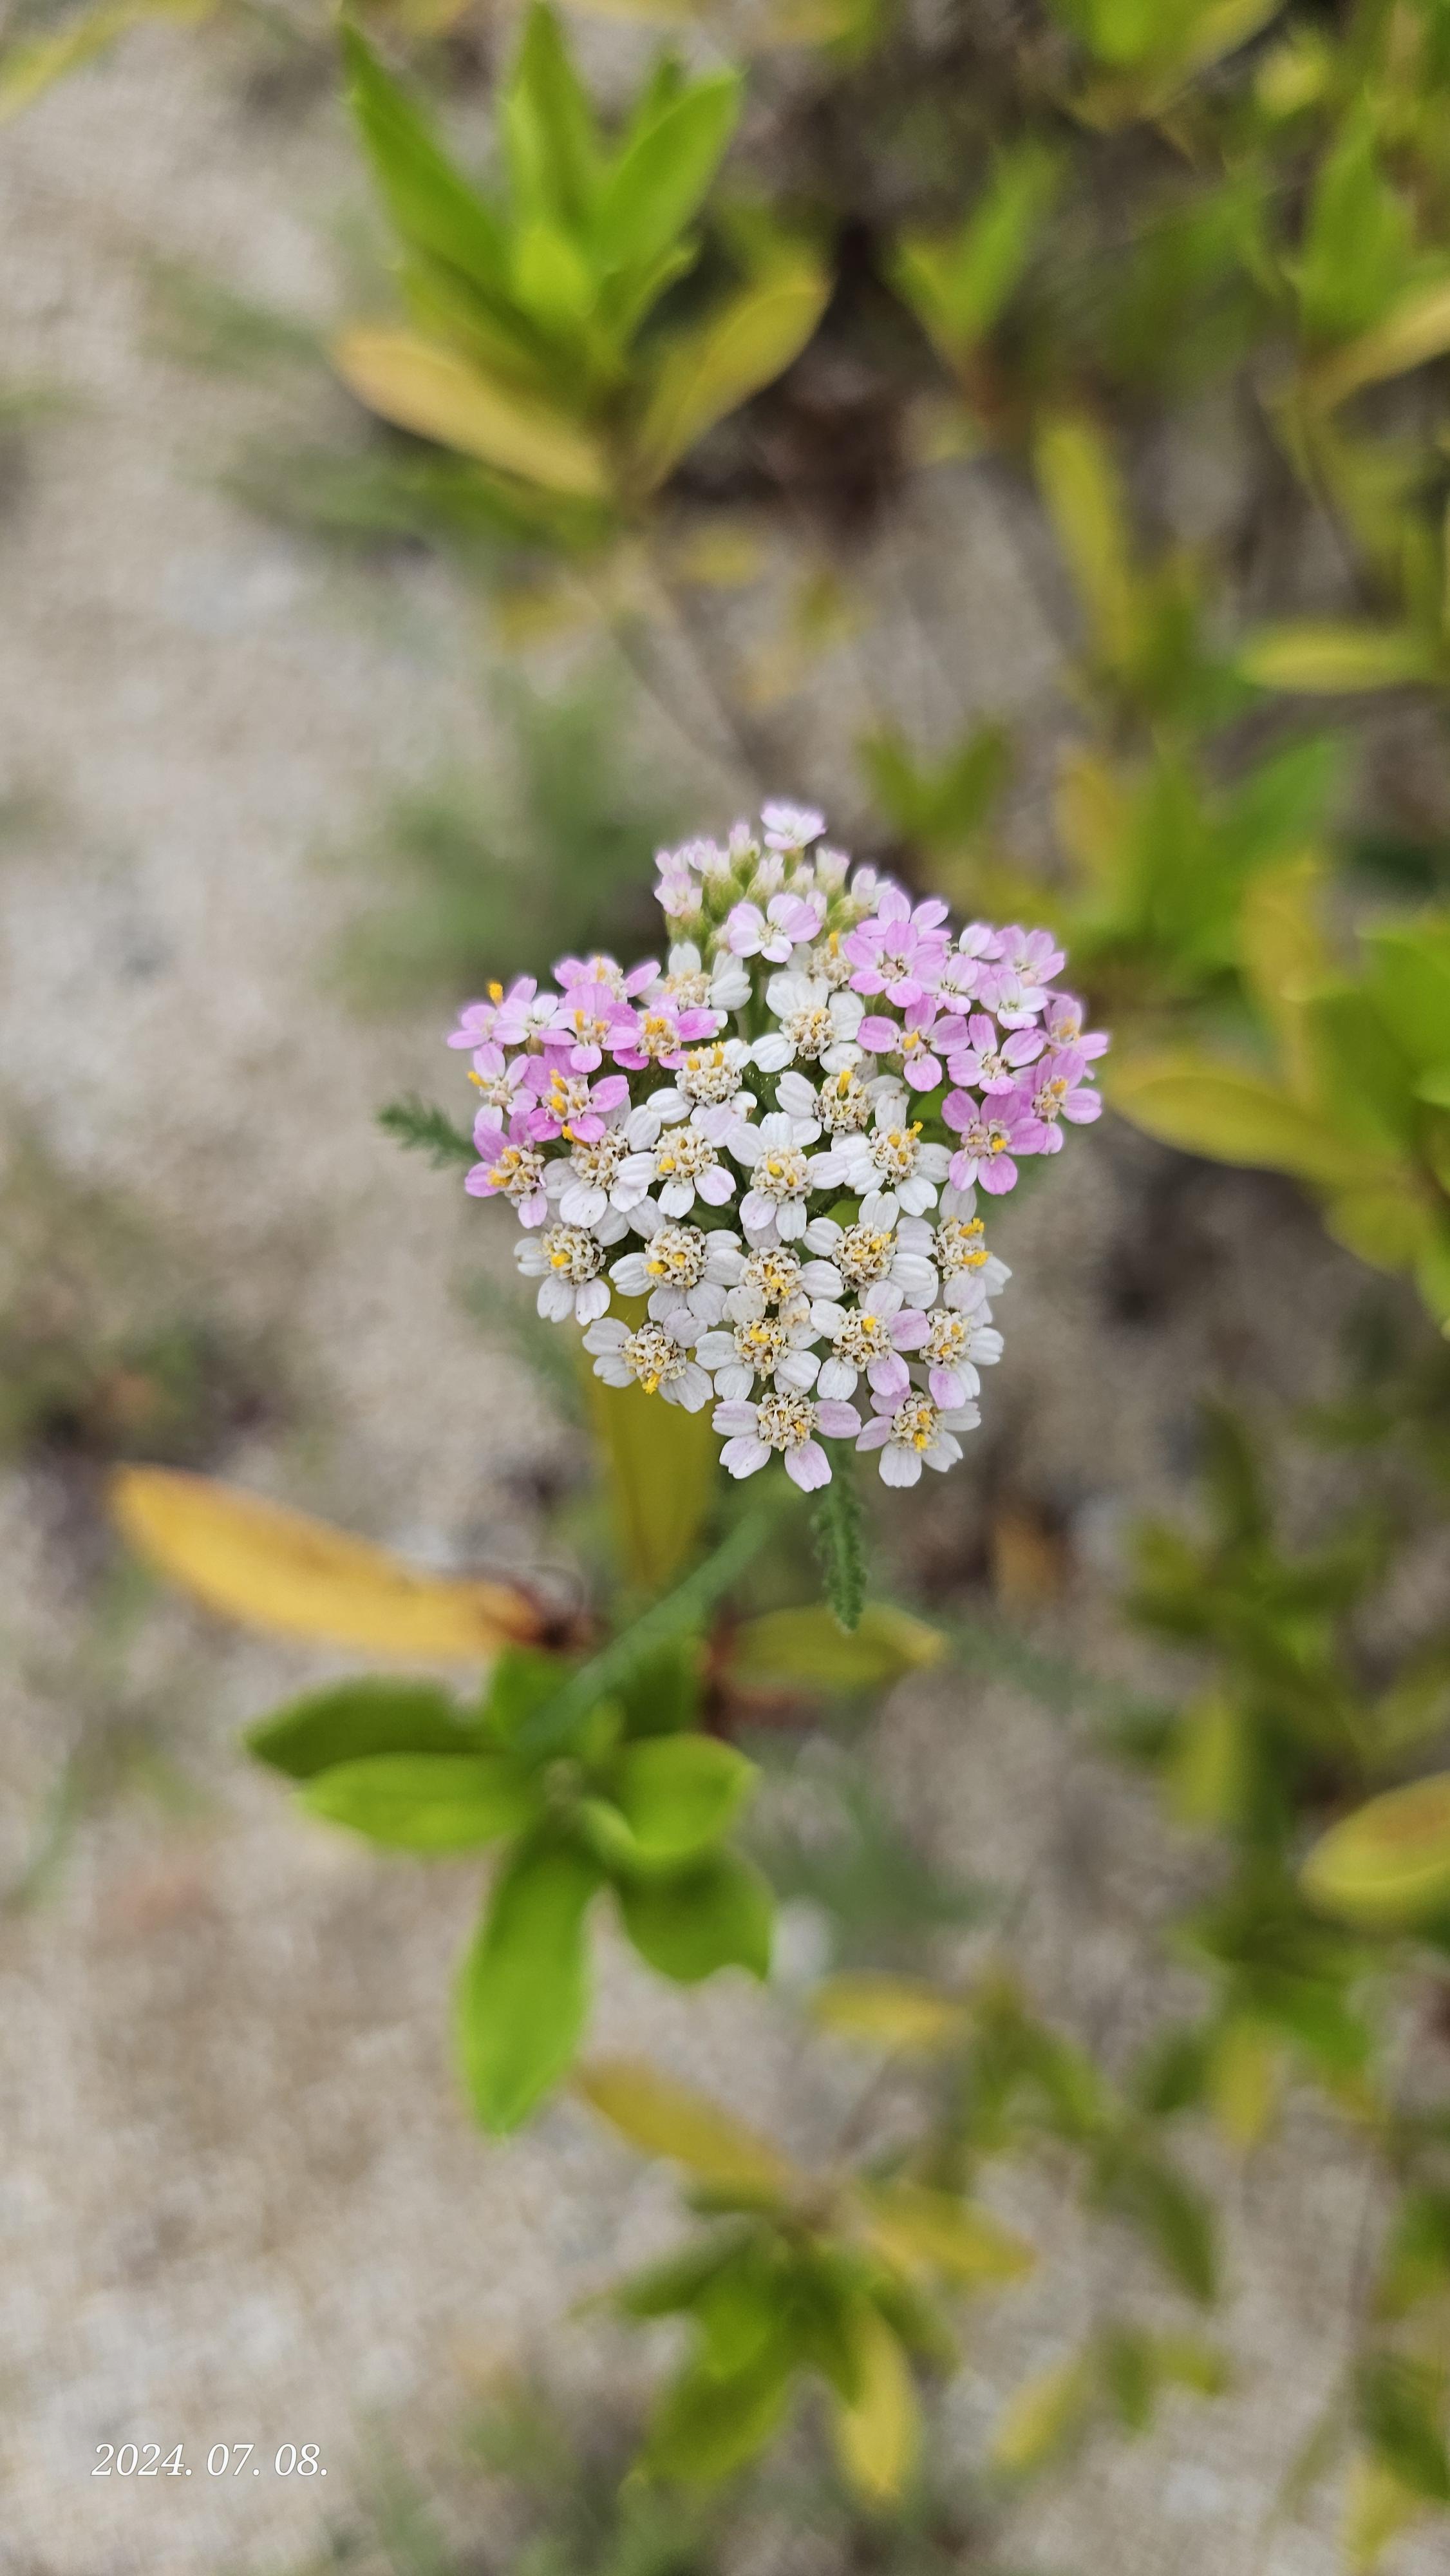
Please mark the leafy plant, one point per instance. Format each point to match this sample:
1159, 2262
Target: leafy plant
1357, 1101
541, 344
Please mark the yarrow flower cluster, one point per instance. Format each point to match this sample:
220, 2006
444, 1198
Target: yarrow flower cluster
751, 1173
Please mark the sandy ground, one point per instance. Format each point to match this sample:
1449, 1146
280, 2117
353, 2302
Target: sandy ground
239, 2200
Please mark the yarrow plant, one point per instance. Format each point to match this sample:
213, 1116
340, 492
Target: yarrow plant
751, 1174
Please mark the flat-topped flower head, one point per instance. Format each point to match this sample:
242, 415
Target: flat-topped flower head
833, 1054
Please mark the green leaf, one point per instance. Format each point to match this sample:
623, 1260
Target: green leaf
1084, 493
666, 2288
807, 1648
421, 386
1388, 1864
663, 1696
551, 1727
891, 2012
1209, 1108
523, 1678
1317, 658
661, 178
663, 2118
717, 1914
1400, 2403
1172, 2216
679, 1792
836, 1535
356, 1719
1417, 2256
549, 128
523, 1992
434, 209
423, 1128
959, 285
924, 2230
706, 2425
1358, 237
1415, 330
708, 371
1044, 2416
427, 1802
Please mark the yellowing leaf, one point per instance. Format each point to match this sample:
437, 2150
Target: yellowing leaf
707, 372
419, 385
668, 2119
920, 2230
1378, 2506
1321, 659
661, 1465
1206, 1775
889, 2012
281, 1570
1042, 2416
878, 2433
1414, 330
1233, 1117
1083, 492
1388, 1863
1387, 1223
1094, 816
1244, 2081
809, 1649
1284, 953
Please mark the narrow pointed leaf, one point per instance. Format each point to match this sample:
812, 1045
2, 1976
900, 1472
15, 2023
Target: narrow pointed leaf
668, 2119
710, 371
878, 2433
423, 387
657, 185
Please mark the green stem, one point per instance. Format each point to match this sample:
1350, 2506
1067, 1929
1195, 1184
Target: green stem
840, 1550
549, 1729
